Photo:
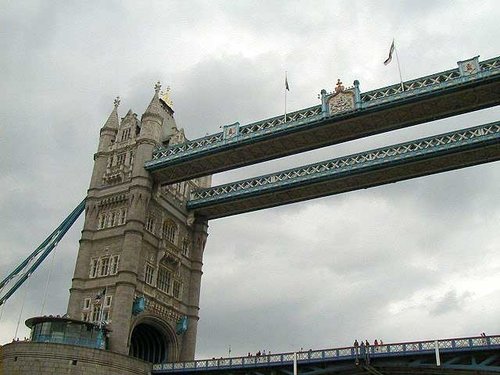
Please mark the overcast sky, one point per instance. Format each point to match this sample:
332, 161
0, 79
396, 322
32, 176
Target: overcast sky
408, 261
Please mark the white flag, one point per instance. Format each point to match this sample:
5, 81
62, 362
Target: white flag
389, 59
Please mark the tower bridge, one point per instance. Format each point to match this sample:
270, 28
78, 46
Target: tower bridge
136, 285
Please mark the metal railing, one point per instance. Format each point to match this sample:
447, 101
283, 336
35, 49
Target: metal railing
345, 353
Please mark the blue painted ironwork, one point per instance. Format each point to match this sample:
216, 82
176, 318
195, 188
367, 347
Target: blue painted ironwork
139, 305
456, 345
31, 263
431, 84
182, 325
483, 134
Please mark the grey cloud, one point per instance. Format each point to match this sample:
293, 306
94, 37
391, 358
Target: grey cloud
449, 302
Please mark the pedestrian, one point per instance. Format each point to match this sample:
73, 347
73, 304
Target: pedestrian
356, 351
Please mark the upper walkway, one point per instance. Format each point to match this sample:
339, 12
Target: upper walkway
343, 115
456, 354
439, 153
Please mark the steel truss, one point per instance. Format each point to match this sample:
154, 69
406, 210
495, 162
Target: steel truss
456, 141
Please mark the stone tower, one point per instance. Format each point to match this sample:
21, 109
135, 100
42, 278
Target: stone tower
139, 263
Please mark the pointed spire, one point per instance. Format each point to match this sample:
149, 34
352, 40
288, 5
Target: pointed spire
112, 122
154, 107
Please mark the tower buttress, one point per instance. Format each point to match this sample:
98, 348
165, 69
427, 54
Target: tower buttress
199, 241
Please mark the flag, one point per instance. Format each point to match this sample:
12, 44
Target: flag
100, 295
286, 83
389, 59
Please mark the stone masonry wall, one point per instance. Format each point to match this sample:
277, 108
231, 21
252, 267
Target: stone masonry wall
23, 358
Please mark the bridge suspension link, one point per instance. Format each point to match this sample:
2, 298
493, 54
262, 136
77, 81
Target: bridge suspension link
26, 268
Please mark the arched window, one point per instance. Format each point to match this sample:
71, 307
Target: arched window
169, 231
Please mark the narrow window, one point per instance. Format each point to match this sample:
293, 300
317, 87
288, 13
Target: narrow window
148, 274
86, 303
150, 224
104, 269
96, 312
102, 221
112, 218
177, 289
123, 216
93, 268
120, 159
107, 301
85, 316
105, 315
114, 263
169, 231
164, 280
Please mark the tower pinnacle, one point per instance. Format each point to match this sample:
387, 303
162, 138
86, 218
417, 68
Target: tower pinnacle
154, 107
112, 122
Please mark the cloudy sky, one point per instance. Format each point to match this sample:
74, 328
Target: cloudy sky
408, 261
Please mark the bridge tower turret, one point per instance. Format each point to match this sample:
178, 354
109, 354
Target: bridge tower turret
139, 264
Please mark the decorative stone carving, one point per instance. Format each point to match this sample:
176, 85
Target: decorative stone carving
231, 130
468, 67
341, 100
177, 138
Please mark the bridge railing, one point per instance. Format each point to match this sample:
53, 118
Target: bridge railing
298, 118
344, 353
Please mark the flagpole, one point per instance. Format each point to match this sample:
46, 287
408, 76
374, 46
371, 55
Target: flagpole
285, 92
399, 68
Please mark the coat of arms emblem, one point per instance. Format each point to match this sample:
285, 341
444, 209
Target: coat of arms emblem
341, 100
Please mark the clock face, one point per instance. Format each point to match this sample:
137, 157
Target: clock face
341, 102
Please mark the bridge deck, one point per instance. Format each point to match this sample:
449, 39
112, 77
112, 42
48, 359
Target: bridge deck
478, 354
453, 150
425, 99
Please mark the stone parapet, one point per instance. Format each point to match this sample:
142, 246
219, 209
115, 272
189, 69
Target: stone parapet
23, 358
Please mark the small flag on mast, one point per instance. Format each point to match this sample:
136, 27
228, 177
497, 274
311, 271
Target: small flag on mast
100, 295
391, 51
286, 83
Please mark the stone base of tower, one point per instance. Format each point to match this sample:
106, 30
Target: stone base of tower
23, 358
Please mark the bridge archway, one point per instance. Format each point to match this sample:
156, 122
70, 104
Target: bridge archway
152, 341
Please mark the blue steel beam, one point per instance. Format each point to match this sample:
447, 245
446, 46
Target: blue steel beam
31, 263
421, 157
425, 99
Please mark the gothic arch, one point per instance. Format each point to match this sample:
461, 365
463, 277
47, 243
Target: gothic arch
153, 340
